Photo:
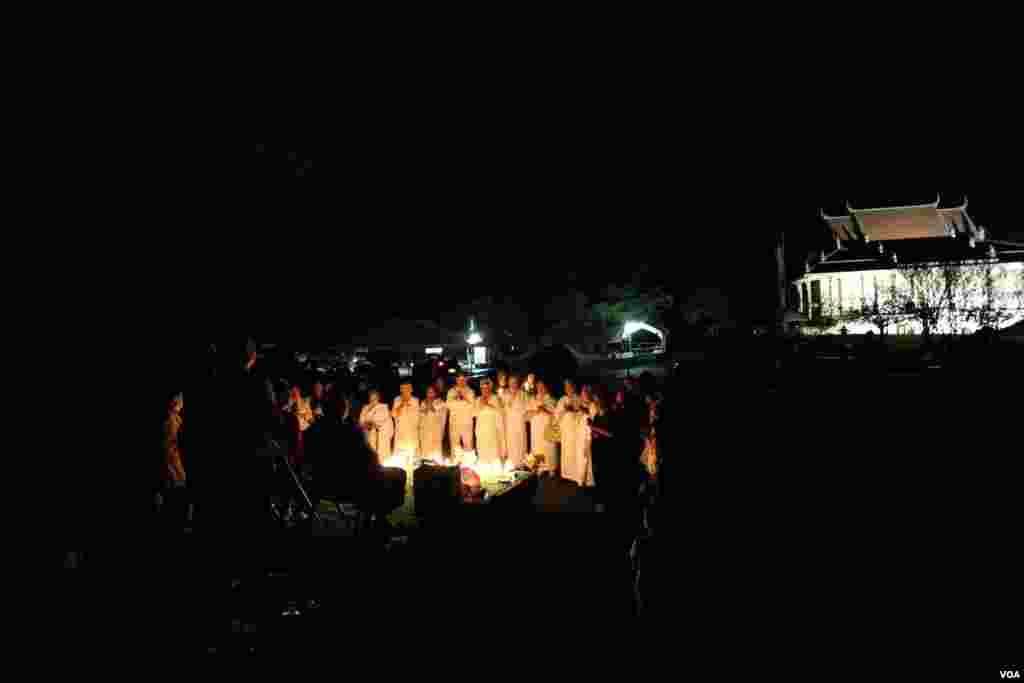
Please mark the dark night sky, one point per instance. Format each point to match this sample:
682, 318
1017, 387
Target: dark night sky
404, 229
400, 220
519, 227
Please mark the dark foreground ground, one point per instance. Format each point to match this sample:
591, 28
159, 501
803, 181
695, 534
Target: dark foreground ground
832, 494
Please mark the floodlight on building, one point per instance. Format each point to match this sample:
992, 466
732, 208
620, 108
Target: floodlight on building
474, 338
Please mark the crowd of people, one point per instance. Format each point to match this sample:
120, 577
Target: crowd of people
508, 423
352, 443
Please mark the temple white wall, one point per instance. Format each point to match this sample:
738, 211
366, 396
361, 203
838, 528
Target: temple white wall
845, 292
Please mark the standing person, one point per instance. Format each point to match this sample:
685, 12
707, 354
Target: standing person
299, 407
650, 454
490, 427
229, 421
580, 468
299, 416
441, 389
460, 417
620, 401
318, 408
540, 412
616, 462
530, 385
529, 388
318, 401
633, 390
433, 417
173, 472
406, 411
515, 405
378, 425
567, 414
502, 383
602, 434
615, 443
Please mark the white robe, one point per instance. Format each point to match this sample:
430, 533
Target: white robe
490, 430
515, 426
460, 419
538, 425
379, 438
580, 467
569, 425
432, 420
407, 426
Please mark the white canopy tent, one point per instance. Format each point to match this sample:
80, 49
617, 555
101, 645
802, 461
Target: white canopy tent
632, 327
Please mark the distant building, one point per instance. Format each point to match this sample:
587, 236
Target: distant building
867, 249
409, 339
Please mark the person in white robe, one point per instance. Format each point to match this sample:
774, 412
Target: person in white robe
433, 415
406, 412
502, 387
530, 385
567, 414
376, 421
514, 402
460, 402
578, 467
490, 427
540, 412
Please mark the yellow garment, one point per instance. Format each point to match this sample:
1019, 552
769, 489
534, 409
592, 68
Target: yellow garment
173, 469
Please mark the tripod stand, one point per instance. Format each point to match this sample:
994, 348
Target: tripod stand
280, 455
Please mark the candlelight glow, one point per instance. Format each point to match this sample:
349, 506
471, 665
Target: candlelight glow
398, 461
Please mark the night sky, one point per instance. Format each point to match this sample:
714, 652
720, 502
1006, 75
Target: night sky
320, 240
523, 229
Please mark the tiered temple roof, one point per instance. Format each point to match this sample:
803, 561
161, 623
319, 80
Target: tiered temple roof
900, 223
883, 238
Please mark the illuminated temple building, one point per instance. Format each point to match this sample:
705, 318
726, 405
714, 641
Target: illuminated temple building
876, 255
